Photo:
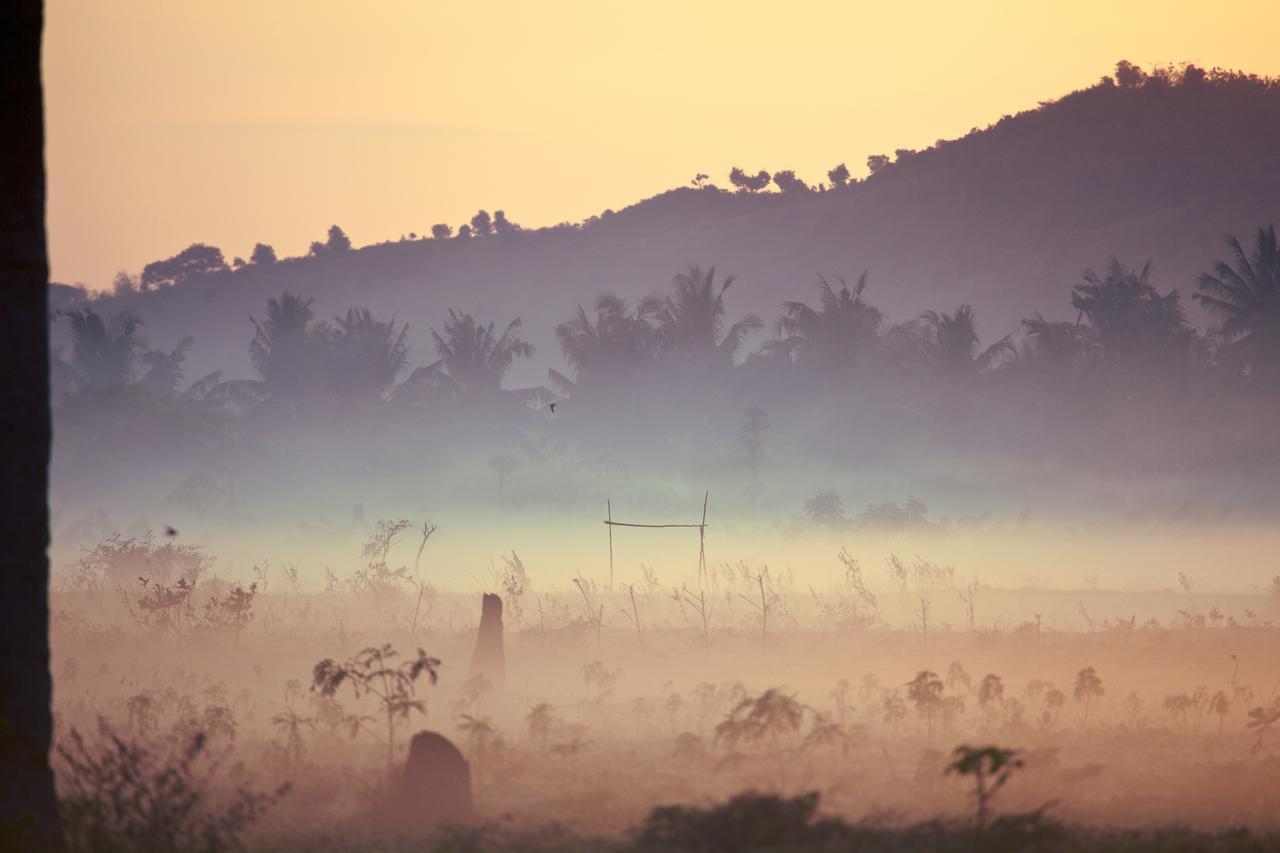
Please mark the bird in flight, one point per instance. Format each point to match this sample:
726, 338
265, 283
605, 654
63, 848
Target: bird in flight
553, 408
170, 532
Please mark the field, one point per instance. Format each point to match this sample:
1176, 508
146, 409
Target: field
1125, 708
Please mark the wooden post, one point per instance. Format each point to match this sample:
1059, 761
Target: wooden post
702, 536
702, 541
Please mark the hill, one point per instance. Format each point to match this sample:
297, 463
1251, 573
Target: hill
1152, 168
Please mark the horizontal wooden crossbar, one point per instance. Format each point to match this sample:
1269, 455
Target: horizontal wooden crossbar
628, 524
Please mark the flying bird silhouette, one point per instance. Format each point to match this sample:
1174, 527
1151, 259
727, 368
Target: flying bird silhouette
553, 408
170, 532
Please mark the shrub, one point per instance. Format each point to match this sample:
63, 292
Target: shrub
126, 795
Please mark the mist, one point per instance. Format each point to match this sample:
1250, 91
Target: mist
809, 504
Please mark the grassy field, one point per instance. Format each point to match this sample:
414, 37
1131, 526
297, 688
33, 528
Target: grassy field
1129, 732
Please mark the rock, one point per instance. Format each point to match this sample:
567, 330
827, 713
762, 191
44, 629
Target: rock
489, 659
436, 786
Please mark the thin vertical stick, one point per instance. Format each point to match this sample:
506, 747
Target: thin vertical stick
702, 541
609, 511
635, 615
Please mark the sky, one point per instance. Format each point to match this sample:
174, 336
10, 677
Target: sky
244, 121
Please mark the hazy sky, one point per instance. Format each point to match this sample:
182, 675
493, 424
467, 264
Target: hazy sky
239, 121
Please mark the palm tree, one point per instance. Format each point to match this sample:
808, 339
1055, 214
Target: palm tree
1130, 323
833, 337
472, 357
28, 807
502, 465
1247, 297
366, 355
287, 347
951, 348
1053, 354
611, 348
751, 435
164, 369
692, 315
103, 352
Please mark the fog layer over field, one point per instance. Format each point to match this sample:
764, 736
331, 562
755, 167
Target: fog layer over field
896, 530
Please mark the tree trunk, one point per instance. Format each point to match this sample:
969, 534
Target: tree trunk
28, 807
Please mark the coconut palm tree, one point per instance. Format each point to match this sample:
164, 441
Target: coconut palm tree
366, 355
1247, 297
103, 352
951, 347
833, 337
1130, 323
164, 369
692, 316
472, 357
613, 346
288, 347
1053, 355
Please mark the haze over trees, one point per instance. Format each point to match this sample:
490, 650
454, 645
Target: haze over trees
1143, 166
1085, 392
1017, 335
1034, 311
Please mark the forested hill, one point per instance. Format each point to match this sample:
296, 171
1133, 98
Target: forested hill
1154, 168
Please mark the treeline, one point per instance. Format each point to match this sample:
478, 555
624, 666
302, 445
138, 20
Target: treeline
1129, 342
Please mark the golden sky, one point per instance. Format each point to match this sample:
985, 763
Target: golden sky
237, 121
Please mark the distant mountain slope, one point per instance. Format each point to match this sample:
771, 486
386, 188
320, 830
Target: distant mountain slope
1004, 218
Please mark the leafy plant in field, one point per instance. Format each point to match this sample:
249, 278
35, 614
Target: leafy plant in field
219, 723
748, 821
472, 694
575, 745
855, 606
142, 713
991, 768
600, 680
290, 724
1179, 705
990, 694
426, 591
375, 672
377, 576
916, 584
895, 709
482, 739
957, 677
514, 582
925, 692
123, 794
1261, 722
1220, 704
233, 612
1132, 703
1054, 700
769, 724
541, 722
118, 560
840, 699
1088, 687
689, 747
968, 596
164, 608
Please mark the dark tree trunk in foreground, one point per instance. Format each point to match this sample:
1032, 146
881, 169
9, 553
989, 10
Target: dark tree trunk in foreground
28, 808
